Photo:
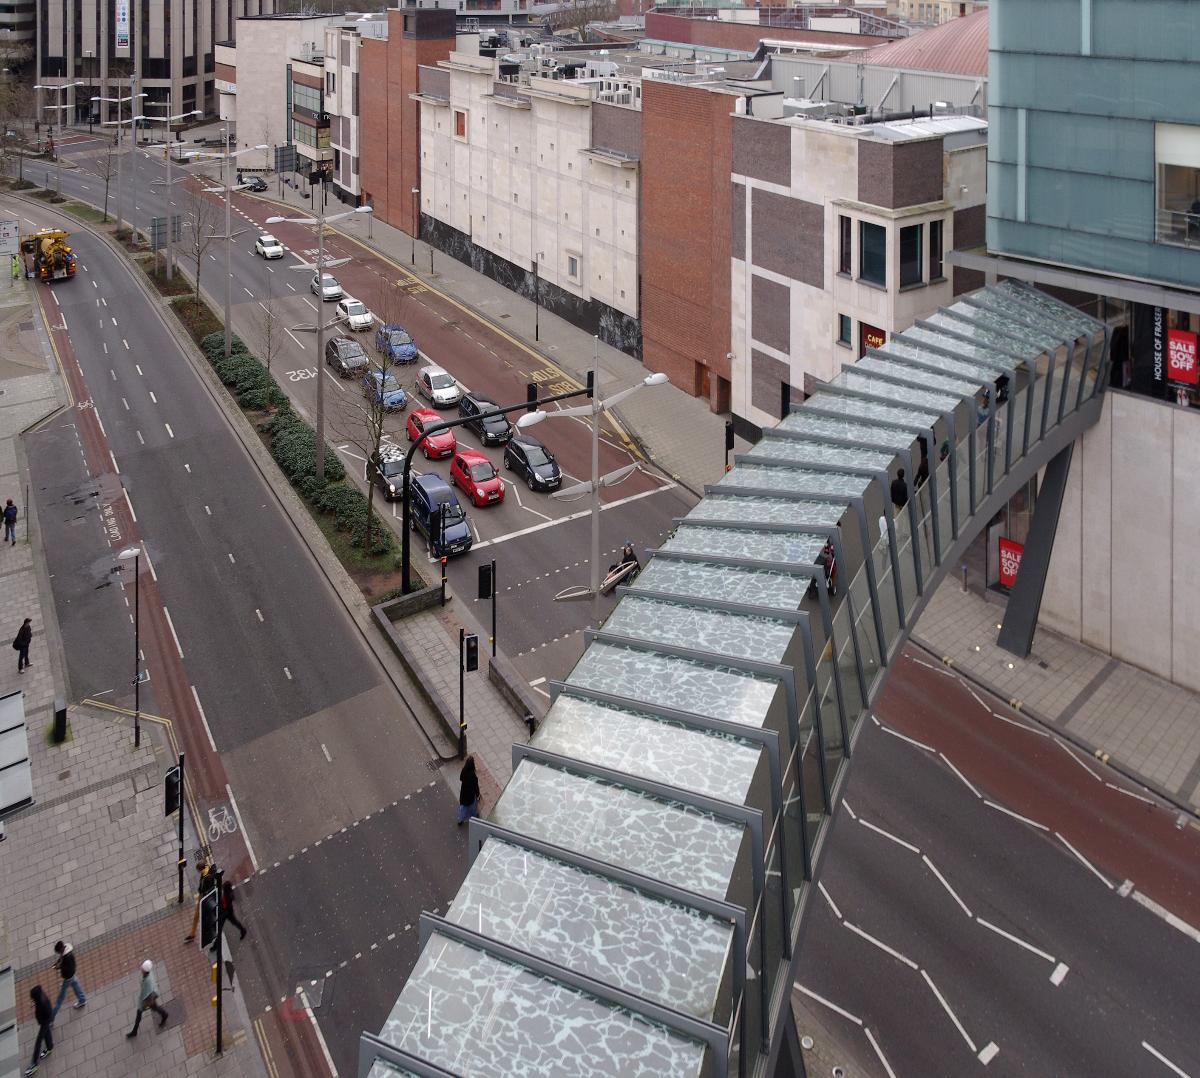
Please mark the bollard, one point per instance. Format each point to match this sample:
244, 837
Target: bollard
60, 720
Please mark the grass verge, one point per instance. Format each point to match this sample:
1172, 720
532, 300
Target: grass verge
85, 212
197, 319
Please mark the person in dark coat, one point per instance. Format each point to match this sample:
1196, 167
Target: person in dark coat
10, 522
227, 914
65, 964
468, 791
899, 490
21, 642
43, 1011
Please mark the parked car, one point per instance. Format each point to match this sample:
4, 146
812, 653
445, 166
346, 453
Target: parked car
377, 387
533, 462
438, 386
435, 446
477, 477
495, 430
326, 286
345, 356
394, 342
387, 469
355, 314
268, 247
447, 530
256, 184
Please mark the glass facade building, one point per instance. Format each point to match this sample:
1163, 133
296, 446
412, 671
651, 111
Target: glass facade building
634, 899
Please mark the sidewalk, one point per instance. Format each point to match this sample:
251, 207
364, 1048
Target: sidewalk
1149, 728
92, 860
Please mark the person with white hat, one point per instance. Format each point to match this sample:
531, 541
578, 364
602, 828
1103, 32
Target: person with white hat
148, 999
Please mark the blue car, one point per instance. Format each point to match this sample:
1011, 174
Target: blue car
395, 343
377, 386
435, 512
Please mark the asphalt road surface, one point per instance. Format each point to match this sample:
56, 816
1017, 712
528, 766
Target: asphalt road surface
988, 901
327, 773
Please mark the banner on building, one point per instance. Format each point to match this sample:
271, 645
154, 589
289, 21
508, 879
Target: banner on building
1148, 349
1181, 357
122, 27
869, 337
1010, 561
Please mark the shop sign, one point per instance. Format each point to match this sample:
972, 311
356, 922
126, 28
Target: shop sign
870, 337
1181, 356
1010, 561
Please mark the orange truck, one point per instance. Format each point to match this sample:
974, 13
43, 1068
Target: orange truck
47, 255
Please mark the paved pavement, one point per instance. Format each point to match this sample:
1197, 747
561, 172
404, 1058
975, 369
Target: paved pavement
1147, 727
92, 860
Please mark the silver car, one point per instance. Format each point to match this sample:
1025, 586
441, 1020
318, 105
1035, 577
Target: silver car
326, 287
438, 387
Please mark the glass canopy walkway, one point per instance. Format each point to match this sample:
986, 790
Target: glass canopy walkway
634, 900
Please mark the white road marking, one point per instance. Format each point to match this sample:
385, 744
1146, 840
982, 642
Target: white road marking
1015, 815
1063, 745
99, 421
149, 563
114, 462
208, 511
140, 438
1019, 942
169, 430
879, 1052
1163, 1059
310, 303
126, 344
883, 947
846, 806
293, 336
187, 468
832, 905
203, 718
231, 559
130, 504
1085, 862
242, 828
126, 403
174, 634
889, 835
287, 673
1129, 793
114, 321
292, 287
259, 613
832, 1006
960, 775
1158, 911
905, 737
946, 884
326, 752
247, 291
946, 1007
153, 398
989, 1052
1059, 974
138, 367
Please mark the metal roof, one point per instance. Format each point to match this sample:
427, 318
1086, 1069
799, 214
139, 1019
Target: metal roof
957, 47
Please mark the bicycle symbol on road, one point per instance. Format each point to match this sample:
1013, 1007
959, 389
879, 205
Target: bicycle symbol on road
220, 822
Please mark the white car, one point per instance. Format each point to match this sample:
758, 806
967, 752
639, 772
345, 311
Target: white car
355, 314
326, 287
438, 387
268, 247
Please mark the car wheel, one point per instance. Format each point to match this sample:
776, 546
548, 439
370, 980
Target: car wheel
507, 464
529, 481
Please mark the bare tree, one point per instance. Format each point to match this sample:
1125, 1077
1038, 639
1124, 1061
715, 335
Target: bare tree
272, 329
105, 166
575, 15
202, 221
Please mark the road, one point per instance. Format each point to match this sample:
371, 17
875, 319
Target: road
538, 542
294, 738
993, 899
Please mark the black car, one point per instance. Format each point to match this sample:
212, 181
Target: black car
533, 461
256, 184
346, 356
387, 471
495, 430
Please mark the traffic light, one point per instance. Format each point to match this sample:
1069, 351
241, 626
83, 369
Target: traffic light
471, 642
591, 384
485, 581
531, 396
209, 918
171, 791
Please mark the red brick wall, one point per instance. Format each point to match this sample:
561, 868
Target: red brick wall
744, 36
687, 150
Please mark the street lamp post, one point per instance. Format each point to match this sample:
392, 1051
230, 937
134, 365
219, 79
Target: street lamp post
119, 123
168, 120
135, 552
415, 191
58, 89
321, 221
594, 409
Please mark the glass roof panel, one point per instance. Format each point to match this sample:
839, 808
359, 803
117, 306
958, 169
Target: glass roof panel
1048, 325
861, 379
665, 840
745, 636
806, 422
947, 383
971, 355
792, 548
807, 451
728, 583
468, 1012
719, 692
744, 474
987, 328
758, 509
382, 1069
872, 411
659, 950
1077, 322
714, 764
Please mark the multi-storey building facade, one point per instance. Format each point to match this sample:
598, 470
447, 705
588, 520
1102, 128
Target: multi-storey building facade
343, 51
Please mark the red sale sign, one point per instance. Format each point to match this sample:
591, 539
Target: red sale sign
1181, 357
1010, 561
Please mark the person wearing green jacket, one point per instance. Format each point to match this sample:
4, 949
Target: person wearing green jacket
148, 999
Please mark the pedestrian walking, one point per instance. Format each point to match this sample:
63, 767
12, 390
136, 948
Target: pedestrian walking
21, 642
468, 791
899, 490
10, 523
227, 912
65, 964
208, 879
148, 999
43, 1044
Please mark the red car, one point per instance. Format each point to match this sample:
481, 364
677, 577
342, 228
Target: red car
435, 446
477, 477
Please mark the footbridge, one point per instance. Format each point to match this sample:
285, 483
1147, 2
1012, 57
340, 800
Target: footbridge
634, 899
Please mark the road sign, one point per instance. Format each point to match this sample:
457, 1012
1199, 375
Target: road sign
10, 236
285, 158
158, 231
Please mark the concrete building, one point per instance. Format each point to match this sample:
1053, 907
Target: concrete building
18, 26
168, 46
935, 12
839, 240
343, 47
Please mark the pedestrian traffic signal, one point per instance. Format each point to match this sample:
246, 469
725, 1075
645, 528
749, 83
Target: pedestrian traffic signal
485, 581
171, 791
471, 643
209, 918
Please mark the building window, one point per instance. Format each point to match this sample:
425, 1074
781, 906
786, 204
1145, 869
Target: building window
911, 270
845, 244
872, 253
935, 250
573, 267
1177, 157
845, 328
460, 124
330, 82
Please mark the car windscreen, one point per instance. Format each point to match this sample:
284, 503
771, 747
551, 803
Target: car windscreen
495, 422
390, 385
454, 515
351, 350
536, 455
269, 241
392, 467
400, 337
328, 282
355, 308
441, 381
483, 471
